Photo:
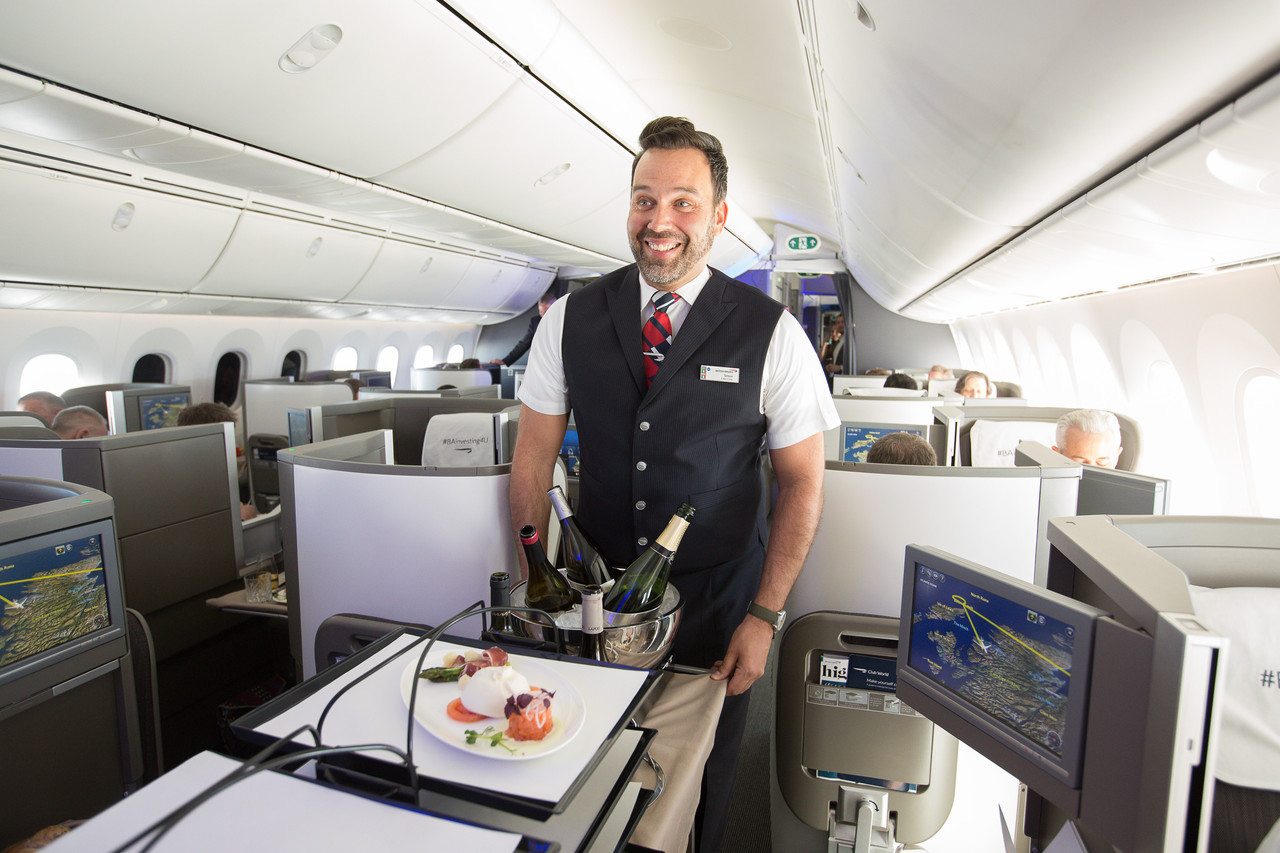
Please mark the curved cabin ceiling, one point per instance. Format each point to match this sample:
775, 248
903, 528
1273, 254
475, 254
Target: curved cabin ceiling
963, 157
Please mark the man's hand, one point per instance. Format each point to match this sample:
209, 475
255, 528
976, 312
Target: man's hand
496, 362
745, 659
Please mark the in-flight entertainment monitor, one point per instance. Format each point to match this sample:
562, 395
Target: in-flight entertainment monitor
1105, 491
374, 378
570, 453
856, 439
299, 427
986, 654
161, 410
60, 594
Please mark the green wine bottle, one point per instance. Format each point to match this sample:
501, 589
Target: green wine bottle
546, 590
643, 584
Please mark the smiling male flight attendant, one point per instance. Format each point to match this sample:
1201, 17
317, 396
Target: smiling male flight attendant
673, 401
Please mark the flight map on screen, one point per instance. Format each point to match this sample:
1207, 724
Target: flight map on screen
857, 440
51, 596
569, 452
1010, 662
162, 409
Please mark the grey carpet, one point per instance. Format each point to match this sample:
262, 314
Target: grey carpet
748, 829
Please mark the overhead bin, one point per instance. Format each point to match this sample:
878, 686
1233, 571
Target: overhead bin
485, 284
63, 228
402, 78
535, 284
542, 184
412, 274
282, 258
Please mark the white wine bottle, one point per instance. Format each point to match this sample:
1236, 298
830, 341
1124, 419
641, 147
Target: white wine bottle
546, 590
583, 562
643, 584
593, 624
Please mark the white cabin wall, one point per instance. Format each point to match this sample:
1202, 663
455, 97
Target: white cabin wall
1177, 356
105, 346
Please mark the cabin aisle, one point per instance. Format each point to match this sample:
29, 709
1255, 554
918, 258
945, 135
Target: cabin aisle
748, 828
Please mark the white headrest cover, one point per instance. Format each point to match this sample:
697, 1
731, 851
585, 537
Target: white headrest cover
1249, 737
460, 440
992, 443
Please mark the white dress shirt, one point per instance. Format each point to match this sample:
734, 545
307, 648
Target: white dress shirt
794, 397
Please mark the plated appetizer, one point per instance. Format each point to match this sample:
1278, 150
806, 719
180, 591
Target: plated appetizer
492, 689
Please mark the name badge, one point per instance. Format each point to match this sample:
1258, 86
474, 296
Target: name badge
711, 373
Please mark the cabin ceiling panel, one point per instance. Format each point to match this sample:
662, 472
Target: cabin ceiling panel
60, 227
527, 294
286, 259
737, 69
485, 284
403, 77
527, 160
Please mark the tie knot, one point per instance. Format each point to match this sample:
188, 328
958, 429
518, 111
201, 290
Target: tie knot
663, 300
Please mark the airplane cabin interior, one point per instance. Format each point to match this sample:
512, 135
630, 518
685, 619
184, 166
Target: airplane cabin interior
280, 286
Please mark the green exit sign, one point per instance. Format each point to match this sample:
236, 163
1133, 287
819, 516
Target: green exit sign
803, 243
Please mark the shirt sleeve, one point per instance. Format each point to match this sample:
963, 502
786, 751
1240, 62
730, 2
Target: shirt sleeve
795, 399
543, 388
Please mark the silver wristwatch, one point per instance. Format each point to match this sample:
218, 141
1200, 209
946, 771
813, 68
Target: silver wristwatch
772, 617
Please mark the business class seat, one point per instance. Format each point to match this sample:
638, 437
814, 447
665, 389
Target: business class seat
463, 440
24, 425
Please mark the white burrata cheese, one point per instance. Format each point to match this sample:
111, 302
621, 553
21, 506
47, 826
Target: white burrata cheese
487, 691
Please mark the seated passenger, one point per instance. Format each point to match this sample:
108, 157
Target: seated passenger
975, 385
902, 448
217, 413
469, 364
941, 371
42, 404
879, 371
1090, 437
901, 380
79, 422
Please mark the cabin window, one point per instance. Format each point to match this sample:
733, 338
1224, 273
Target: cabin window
151, 368
50, 372
291, 367
425, 356
388, 360
226, 378
456, 354
346, 359
1259, 413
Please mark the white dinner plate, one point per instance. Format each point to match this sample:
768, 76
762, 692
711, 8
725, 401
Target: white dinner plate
567, 709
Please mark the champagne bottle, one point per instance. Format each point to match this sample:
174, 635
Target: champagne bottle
546, 590
500, 622
643, 584
593, 623
582, 559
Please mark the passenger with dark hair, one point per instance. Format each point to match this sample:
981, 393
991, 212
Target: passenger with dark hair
975, 385
832, 354
902, 448
42, 404
217, 413
79, 422
545, 301
901, 380
678, 374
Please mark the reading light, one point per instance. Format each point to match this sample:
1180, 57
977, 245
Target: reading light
314, 248
552, 175
124, 215
314, 46
426, 265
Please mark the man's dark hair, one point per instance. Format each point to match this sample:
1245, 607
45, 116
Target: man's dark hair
902, 448
206, 413
901, 380
548, 297
672, 133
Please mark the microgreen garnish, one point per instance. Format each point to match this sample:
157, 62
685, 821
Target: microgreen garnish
495, 738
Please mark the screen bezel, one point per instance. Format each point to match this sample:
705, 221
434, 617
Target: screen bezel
141, 400
112, 582
954, 712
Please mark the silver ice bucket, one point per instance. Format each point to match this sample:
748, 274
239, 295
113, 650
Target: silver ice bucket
644, 644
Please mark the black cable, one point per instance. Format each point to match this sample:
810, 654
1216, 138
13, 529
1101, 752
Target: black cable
244, 772
264, 753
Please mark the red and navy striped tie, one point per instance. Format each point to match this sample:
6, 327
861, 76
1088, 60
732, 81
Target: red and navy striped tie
657, 336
